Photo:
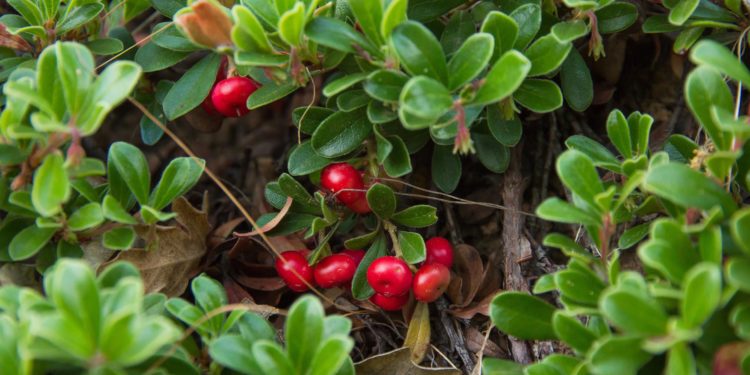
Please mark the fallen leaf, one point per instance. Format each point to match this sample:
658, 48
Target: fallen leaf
470, 272
174, 252
468, 312
475, 340
398, 362
418, 334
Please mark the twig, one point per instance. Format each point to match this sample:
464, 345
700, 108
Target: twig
512, 233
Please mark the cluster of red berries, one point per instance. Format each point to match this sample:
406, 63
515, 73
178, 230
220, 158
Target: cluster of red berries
228, 97
390, 277
347, 184
332, 271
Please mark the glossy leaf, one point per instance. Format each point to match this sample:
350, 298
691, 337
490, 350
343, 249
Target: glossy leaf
419, 51
51, 187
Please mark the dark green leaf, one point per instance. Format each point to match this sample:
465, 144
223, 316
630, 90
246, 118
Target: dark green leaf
633, 312
419, 51
446, 168
576, 82
190, 90
341, 133
131, 164
547, 54
361, 289
412, 246
504, 78
687, 187
418, 216
539, 95
382, 200
470, 60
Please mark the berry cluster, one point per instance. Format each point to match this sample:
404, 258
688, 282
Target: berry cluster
332, 271
347, 184
229, 95
390, 277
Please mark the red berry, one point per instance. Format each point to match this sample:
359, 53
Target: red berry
229, 96
339, 176
295, 260
389, 276
390, 303
357, 255
430, 281
360, 206
335, 270
439, 250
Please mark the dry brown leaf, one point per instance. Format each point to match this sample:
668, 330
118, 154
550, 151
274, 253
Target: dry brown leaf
398, 362
468, 312
471, 271
174, 252
475, 340
418, 334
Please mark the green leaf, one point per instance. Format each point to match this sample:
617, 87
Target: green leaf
361, 289
702, 288
426, 98
419, 51
192, 88
599, 154
580, 286
523, 316
105, 46
303, 331
291, 24
579, 175
29, 241
504, 78
395, 14
352, 99
113, 210
131, 164
248, 33
705, 88
270, 93
382, 200
232, 351
272, 359
618, 132
682, 11
617, 354
332, 353
718, 57
576, 82
492, 154
419, 216
427, 10
340, 84
555, 209
51, 187
398, 162
539, 95
616, 16
687, 187
569, 31
528, 17
680, 360
446, 168
633, 235
86, 217
494, 366
151, 215
571, 331
303, 160
412, 246
385, 85
633, 312
72, 288
79, 16
307, 119
341, 133
737, 273
503, 29
369, 15
177, 179
470, 60
507, 132
547, 54
338, 35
